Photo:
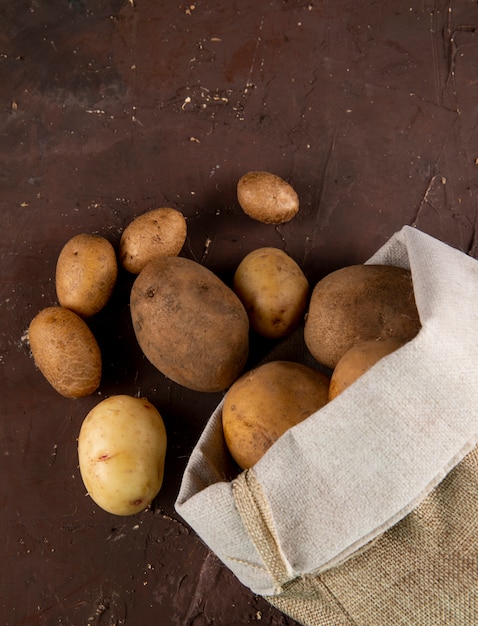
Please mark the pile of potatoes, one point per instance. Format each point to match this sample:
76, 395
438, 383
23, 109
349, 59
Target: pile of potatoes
196, 330
355, 316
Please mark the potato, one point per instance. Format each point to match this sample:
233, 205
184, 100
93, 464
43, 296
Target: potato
265, 402
273, 290
359, 303
65, 351
121, 451
357, 361
267, 198
86, 273
156, 233
189, 324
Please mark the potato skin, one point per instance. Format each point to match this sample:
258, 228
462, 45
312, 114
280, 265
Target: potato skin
121, 452
86, 273
356, 361
156, 233
359, 303
65, 351
267, 198
273, 290
265, 402
189, 324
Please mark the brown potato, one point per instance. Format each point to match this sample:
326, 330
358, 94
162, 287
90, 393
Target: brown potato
267, 198
156, 233
189, 324
65, 351
265, 402
86, 273
359, 303
273, 290
357, 361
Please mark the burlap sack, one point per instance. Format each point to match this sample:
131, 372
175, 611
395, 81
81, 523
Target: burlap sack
367, 512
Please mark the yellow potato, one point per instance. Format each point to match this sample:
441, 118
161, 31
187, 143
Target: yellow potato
267, 197
189, 324
359, 303
273, 290
265, 402
121, 451
156, 233
86, 273
65, 351
357, 361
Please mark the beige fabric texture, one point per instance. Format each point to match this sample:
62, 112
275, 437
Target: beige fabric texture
331, 525
421, 572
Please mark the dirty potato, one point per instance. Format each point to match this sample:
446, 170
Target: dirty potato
359, 303
273, 290
359, 359
267, 197
265, 402
156, 233
86, 273
189, 324
65, 351
121, 452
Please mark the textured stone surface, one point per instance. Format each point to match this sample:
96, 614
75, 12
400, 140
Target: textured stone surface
108, 109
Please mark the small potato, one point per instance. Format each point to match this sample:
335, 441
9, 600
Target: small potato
265, 402
189, 324
267, 198
121, 451
159, 232
65, 351
86, 273
359, 303
273, 290
357, 361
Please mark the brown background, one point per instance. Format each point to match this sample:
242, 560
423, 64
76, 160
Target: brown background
110, 108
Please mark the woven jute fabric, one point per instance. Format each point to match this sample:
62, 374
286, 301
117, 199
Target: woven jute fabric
421, 572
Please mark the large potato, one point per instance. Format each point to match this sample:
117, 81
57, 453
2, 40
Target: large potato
267, 198
265, 402
156, 233
359, 303
86, 273
273, 290
359, 359
65, 351
121, 451
189, 324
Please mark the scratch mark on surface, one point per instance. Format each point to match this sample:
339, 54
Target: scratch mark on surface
207, 244
321, 188
439, 90
249, 82
425, 201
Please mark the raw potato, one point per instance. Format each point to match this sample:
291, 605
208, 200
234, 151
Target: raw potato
159, 232
65, 351
273, 290
267, 198
121, 451
359, 303
265, 402
357, 361
86, 273
189, 324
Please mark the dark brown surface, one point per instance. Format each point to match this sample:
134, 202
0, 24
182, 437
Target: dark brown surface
110, 108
